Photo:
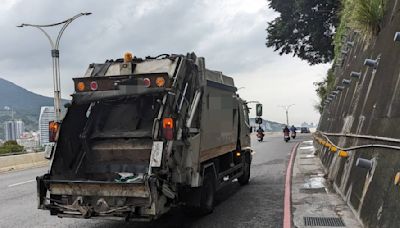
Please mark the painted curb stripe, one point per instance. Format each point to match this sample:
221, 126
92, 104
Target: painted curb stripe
287, 212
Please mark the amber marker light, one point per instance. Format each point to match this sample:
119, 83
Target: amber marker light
343, 154
53, 129
80, 86
168, 128
128, 57
397, 179
160, 81
328, 144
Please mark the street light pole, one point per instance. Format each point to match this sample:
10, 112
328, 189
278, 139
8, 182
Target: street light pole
286, 107
55, 55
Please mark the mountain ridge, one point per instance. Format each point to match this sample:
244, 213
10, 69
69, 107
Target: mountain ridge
25, 104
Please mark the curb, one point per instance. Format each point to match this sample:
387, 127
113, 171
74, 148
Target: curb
287, 212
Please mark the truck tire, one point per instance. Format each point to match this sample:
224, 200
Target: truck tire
244, 179
207, 194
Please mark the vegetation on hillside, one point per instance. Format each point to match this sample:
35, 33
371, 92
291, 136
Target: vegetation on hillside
10, 147
364, 16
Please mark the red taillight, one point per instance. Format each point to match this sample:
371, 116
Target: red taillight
168, 128
94, 86
53, 129
147, 82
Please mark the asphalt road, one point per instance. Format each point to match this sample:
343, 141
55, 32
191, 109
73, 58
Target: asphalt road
258, 204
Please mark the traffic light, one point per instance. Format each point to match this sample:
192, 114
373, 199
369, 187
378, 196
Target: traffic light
259, 110
258, 120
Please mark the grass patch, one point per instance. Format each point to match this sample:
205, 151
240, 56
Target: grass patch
368, 15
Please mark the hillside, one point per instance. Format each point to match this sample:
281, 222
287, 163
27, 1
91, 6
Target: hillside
269, 126
366, 105
26, 105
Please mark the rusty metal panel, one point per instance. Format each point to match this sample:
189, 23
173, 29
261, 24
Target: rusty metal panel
94, 189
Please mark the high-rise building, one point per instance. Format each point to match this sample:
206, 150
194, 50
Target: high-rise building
13, 129
9, 131
19, 128
46, 115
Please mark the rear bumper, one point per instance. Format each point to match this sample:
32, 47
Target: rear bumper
102, 200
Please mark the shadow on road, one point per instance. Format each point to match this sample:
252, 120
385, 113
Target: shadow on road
176, 217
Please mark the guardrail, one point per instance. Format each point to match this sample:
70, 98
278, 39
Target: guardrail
22, 161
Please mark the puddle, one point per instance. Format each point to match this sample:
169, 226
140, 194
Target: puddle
306, 147
315, 182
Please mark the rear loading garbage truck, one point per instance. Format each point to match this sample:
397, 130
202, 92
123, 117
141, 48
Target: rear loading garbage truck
144, 135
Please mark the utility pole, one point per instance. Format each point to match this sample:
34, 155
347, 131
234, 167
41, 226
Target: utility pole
286, 107
55, 54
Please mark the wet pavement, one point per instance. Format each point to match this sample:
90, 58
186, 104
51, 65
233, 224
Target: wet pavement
313, 199
258, 204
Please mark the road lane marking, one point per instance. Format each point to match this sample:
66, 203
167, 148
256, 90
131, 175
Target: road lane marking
20, 183
287, 211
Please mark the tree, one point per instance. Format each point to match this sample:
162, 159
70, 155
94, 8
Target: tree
10, 147
324, 87
305, 28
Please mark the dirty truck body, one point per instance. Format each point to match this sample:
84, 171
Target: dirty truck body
142, 136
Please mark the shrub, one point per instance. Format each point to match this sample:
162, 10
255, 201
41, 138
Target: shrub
368, 15
10, 147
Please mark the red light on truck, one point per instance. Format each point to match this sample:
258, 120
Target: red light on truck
94, 86
53, 129
168, 128
147, 82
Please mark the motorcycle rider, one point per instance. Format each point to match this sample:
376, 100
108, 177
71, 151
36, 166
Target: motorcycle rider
293, 130
286, 132
260, 133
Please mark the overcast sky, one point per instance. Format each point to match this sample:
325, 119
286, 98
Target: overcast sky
230, 34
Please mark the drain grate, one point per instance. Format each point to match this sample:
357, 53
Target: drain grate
323, 221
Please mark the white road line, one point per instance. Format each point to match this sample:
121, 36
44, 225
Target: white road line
20, 183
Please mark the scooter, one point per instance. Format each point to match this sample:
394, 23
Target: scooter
286, 137
260, 136
293, 134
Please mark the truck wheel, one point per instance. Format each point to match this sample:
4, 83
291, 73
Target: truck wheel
244, 179
207, 194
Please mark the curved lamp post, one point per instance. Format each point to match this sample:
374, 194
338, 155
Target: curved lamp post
55, 54
286, 107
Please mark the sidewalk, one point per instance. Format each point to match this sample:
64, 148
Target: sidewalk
314, 202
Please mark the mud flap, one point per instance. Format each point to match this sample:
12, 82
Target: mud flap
41, 191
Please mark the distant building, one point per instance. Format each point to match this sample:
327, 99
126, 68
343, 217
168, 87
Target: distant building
29, 140
46, 115
13, 129
9, 131
19, 128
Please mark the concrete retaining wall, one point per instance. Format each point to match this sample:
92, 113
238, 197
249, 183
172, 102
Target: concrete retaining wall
23, 161
369, 106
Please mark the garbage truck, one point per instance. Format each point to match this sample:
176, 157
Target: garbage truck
144, 135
